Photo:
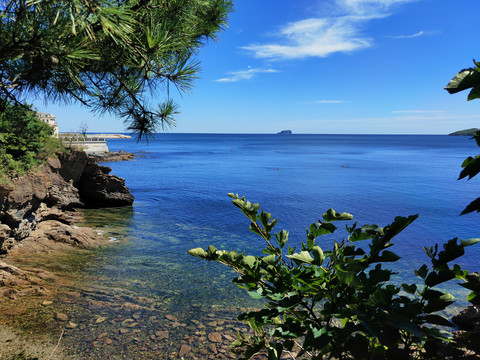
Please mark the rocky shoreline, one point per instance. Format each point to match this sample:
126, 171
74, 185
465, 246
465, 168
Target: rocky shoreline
38, 216
37, 209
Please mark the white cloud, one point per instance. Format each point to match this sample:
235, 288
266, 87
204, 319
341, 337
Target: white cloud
329, 101
245, 74
369, 6
314, 37
323, 36
420, 33
417, 111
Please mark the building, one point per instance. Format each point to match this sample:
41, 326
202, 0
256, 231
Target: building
50, 120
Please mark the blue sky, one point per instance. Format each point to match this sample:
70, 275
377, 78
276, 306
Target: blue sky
327, 66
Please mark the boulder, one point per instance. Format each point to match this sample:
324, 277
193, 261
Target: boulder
99, 189
64, 196
72, 165
468, 319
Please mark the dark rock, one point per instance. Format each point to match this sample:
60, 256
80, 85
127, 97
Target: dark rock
99, 189
468, 319
5, 232
113, 156
64, 196
72, 166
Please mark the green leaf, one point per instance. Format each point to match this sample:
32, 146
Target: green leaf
476, 136
303, 257
474, 93
398, 225
256, 294
379, 275
282, 238
386, 256
422, 272
430, 294
198, 252
471, 167
439, 303
332, 215
270, 260
451, 251
318, 256
211, 250
463, 80
249, 261
438, 320
473, 206
411, 289
435, 278
346, 277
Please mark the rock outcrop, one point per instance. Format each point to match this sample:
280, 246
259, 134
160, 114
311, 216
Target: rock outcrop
48, 193
99, 189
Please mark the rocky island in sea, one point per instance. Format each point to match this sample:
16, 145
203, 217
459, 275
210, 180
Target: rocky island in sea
284, 132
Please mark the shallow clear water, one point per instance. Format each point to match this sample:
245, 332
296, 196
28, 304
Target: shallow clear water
180, 186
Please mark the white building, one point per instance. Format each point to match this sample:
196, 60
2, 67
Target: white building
50, 120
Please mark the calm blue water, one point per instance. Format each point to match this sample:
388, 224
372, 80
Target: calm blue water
180, 188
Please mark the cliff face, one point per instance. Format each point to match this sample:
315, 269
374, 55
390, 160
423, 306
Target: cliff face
46, 194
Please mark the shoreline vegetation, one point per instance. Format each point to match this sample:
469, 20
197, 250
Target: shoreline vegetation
466, 132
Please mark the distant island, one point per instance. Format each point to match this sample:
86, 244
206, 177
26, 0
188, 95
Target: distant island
466, 132
285, 132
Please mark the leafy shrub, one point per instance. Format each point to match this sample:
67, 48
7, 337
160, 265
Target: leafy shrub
25, 141
341, 303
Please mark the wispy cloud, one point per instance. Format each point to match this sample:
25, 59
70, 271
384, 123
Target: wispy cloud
323, 36
235, 76
369, 6
329, 101
418, 112
418, 34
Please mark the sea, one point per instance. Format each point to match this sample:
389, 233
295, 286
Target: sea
181, 181
144, 297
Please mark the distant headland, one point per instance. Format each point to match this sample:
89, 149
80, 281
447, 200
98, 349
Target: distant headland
466, 132
285, 132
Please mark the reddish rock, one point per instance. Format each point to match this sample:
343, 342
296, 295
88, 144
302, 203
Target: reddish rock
162, 334
215, 337
171, 317
184, 349
61, 317
213, 348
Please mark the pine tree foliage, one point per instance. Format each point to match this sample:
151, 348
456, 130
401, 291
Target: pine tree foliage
106, 55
